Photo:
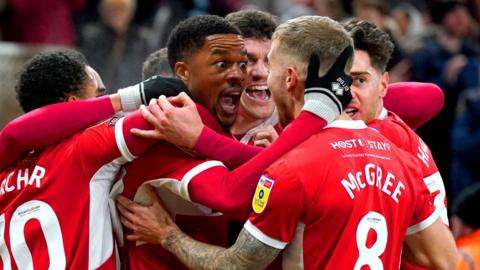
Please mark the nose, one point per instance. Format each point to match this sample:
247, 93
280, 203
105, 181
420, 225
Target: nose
236, 74
259, 71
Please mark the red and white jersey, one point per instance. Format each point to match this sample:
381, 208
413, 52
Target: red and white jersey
398, 132
248, 138
343, 199
169, 169
54, 203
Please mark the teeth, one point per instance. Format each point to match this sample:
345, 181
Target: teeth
259, 87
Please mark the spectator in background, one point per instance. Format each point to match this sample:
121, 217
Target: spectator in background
376, 12
465, 223
411, 27
466, 142
441, 61
115, 46
157, 64
40, 22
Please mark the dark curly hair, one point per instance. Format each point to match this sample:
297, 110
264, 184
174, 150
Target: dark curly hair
50, 77
189, 35
369, 38
253, 23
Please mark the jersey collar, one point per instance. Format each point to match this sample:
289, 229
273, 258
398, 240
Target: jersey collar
383, 114
348, 124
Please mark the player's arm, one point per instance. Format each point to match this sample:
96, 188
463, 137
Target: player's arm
153, 224
55, 122
432, 248
414, 102
52, 123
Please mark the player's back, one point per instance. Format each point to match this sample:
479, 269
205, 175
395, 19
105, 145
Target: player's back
395, 130
357, 200
54, 212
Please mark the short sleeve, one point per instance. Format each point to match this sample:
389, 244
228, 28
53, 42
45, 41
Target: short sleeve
278, 204
425, 213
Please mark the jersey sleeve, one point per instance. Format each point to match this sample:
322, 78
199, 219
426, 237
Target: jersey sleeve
48, 125
112, 139
231, 152
425, 213
414, 102
231, 192
278, 205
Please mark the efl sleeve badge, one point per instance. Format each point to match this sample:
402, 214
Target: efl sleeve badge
262, 193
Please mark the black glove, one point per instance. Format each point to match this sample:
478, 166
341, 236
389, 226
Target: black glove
153, 87
328, 95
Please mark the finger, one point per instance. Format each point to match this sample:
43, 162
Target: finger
183, 99
262, 143
127, 223
133, 237
149, 134
124, 202
147, 115
152, 194
156, 109
263, 135
164, 103
152, 101
339, 66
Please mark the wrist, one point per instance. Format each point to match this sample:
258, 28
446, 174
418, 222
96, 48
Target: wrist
321, 105
130, 98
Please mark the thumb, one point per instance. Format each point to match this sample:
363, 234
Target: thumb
152, 194
182, 100
313, 67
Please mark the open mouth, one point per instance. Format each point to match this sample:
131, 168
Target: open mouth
258, 92
229, 101
351, 111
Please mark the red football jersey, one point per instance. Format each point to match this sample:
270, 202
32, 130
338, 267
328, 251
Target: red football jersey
54, 210
392, 127
169, 169
344, 199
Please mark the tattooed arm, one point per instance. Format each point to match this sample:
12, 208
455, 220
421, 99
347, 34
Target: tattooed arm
246, 253
153, 224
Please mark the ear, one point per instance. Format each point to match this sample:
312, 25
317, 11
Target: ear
72, 98
182, 71
291, 79
384, 84
292, 83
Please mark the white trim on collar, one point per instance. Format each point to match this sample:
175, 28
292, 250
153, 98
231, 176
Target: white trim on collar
349, 124
383, 114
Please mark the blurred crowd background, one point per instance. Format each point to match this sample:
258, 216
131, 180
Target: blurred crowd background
436, 41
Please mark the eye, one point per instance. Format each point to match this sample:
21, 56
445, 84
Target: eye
243, 65
221, 64
359, 80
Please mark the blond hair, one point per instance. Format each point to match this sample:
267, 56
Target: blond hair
301, 37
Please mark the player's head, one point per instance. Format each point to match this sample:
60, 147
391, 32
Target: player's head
208, 54
293, 43
56, 76
465, 219
373, 49
157, 64
257, 28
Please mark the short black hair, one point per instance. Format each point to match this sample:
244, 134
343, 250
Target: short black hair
371, 39
253, 23
466, 205
157, 64
189, 35
49, 77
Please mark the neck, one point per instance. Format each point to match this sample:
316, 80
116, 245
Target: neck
244, 123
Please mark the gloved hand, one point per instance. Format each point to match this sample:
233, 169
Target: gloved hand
133, 96
328, 95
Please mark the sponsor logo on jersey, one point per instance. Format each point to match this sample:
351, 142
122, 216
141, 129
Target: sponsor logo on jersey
262, 193
113, 121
